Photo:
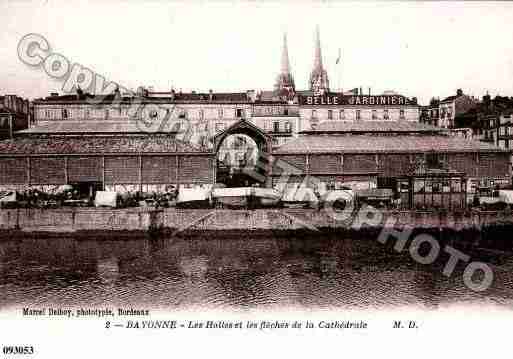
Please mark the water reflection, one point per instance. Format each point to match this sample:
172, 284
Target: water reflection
320, 272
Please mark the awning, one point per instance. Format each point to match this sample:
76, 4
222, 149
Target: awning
193, 194
359, 185
375, 193
489, 200
232, 192
297, 193
266, 193
105, 198
333, 196
6, 197
506, 196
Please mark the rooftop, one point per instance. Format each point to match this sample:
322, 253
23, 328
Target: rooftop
450, 98
152, 97
99, 127
378, 144
96, 144
372, 126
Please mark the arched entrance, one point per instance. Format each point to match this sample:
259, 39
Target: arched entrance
242, 156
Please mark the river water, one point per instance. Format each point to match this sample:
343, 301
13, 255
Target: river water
223, 273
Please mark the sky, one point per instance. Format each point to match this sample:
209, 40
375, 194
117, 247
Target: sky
421, 49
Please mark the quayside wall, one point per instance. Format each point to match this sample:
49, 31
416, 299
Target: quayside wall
100, 221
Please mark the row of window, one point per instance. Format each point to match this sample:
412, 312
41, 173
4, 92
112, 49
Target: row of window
287, 127
66, 113
505, 131
374, 114
504, 144
273, 111
276, 127
239, 113
106, 113
446, 112
436, 185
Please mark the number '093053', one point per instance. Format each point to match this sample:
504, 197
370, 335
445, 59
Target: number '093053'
17, 349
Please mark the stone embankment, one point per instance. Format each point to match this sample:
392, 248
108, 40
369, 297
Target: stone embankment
100, 222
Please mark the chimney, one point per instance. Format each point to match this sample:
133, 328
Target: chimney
117, 94
210, 95
140, 91
251, 95
10, 101
459, 92
486, 99
79, 93
172, 94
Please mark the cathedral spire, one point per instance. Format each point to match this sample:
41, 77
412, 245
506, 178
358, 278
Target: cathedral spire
285, 64
285, 81
318, 54
319, 82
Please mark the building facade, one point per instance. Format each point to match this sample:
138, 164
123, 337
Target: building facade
443, 113
15, 115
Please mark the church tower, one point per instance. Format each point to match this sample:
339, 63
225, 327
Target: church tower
284, 81
319, 82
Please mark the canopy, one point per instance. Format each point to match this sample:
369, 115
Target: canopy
376, 193
6, 197
105, 198
359, 185
266, 193
232, 192
506, 196
332, 196
297, 193
193, 194
64, 188
489, 200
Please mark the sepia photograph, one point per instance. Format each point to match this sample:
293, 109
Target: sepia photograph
256, 178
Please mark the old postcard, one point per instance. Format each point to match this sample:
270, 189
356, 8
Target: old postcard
255, 179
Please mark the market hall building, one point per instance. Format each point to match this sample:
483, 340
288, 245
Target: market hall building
96, 156
423, 165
